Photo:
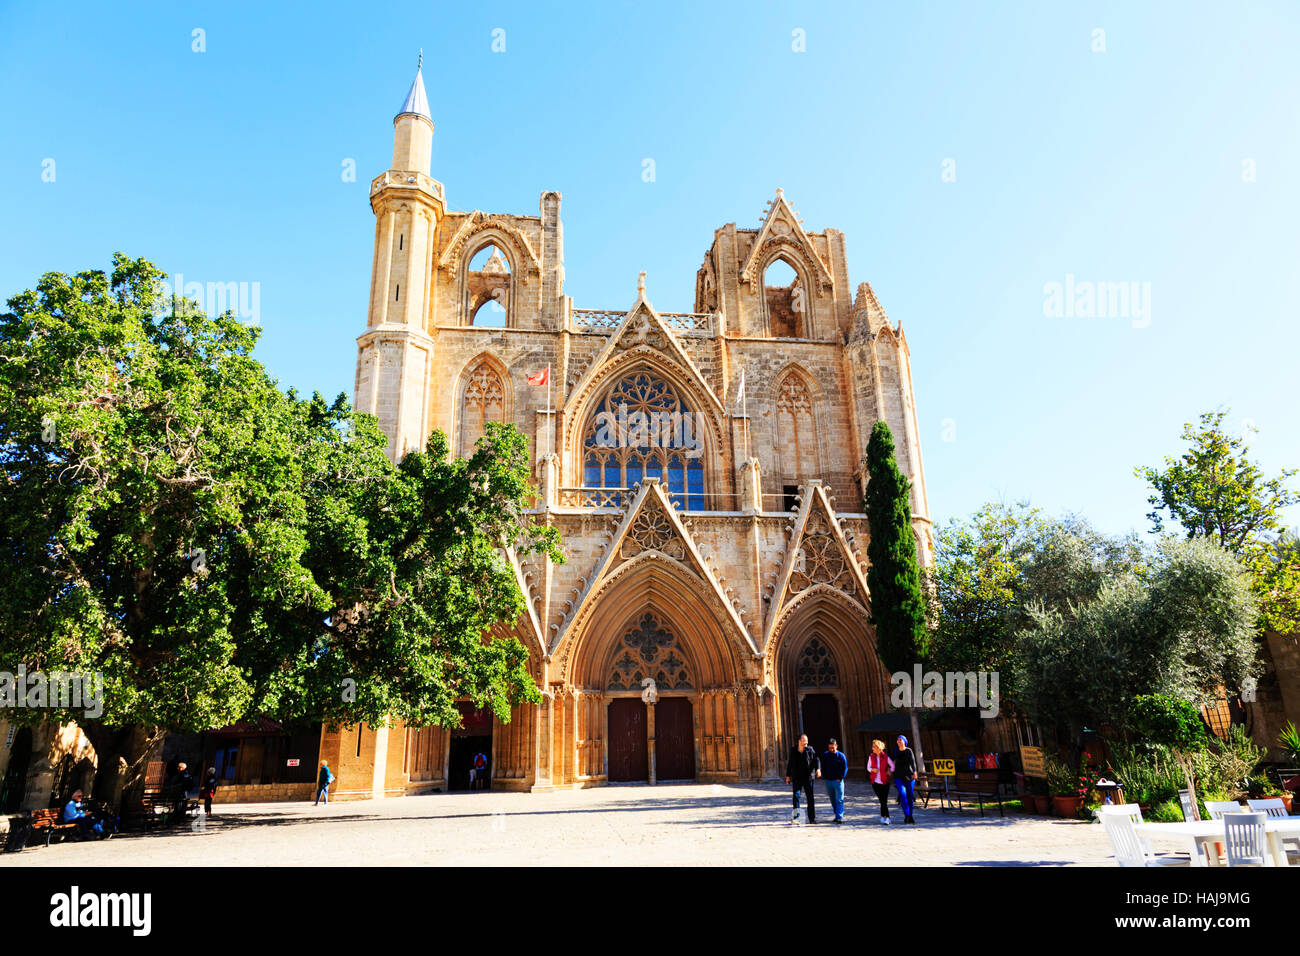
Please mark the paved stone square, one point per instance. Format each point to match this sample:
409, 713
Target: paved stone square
677, 825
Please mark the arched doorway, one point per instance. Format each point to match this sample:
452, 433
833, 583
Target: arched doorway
648, 657
471, 738
15, 780
819, 690
827, 676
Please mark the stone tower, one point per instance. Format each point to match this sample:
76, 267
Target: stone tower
396, 351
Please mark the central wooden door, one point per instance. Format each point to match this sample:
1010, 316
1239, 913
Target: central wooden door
821, 720
629, 757
674, 739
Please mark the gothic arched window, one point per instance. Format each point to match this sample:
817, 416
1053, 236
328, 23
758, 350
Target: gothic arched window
785, 300
482, 401
816, 666
487, 287
642, 429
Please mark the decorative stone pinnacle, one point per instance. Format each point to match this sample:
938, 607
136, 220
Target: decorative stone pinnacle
640, 283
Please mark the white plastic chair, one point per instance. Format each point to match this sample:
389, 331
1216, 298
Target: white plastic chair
1133, 812
1273, 807
1246, 841
1217, 808
1128, 845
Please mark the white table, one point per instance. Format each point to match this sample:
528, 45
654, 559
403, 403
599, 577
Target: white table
1201, 835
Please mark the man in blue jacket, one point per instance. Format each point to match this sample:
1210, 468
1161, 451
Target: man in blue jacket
73, 813
835, 768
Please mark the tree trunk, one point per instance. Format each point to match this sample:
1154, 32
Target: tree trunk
123, 758
916, 744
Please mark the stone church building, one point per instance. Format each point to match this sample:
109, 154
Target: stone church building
704, 469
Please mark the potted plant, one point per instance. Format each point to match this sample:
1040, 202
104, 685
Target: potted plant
1063, 786
1261, 786
1036, 799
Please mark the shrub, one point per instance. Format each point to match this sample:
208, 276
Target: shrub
1226, 765
1169, 811
1147, 772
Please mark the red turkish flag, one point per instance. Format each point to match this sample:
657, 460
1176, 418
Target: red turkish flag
541, 378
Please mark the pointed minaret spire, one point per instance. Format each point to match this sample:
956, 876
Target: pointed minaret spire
413, 127
417, 101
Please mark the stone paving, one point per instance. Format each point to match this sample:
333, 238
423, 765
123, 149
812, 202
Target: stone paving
679, 825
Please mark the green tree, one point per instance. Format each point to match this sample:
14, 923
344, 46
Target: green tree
992, 568
1215, 491
893, 578
1183, 632
218, 548
1173, 723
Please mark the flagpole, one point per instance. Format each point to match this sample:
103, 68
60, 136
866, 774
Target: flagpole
744, 413
550, 425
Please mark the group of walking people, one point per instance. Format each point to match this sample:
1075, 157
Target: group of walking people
805, 767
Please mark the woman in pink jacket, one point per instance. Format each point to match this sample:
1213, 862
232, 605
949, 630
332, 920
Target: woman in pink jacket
879, 770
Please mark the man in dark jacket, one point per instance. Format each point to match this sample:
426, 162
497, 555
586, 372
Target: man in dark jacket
801, 770
835, 767
182, 783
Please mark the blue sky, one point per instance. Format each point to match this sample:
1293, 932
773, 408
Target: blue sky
1127, 165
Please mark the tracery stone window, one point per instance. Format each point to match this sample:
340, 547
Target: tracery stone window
642, 429
796, 430
483, 401
816, 666
820, 560
648, 650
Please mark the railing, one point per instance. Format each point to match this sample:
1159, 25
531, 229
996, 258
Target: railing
604, 321
688, 321
617, 498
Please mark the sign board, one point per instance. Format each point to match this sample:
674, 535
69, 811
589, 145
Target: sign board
1031, 761
291, 762
945, 768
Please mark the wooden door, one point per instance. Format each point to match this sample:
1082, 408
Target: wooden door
821, 721
628, 751
674, 739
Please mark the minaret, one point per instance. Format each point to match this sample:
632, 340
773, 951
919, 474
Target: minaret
394, 354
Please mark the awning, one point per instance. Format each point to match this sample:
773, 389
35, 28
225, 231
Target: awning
889, 722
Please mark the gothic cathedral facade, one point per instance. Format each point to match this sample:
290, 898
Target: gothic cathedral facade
704, 469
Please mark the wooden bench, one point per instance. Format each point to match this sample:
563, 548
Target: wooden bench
51, 822
978, 787
144, 812
159, 808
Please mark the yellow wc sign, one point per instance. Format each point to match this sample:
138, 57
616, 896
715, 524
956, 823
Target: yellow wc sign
945, 768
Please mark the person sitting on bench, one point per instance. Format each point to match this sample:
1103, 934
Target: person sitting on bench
73, 813
179, 791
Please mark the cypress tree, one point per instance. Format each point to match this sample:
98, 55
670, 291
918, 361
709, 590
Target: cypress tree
893, 577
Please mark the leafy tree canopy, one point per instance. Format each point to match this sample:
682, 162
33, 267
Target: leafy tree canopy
1183, 632
990, 569
1214, 490
218, 547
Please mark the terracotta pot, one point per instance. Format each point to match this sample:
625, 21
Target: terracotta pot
1067, 807
1042, 804
1287, 799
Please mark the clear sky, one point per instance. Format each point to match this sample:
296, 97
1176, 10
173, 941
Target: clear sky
972, 153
